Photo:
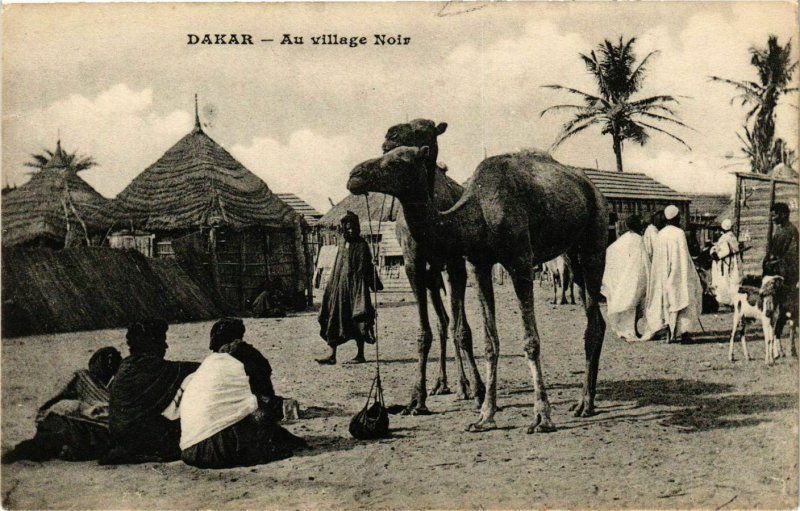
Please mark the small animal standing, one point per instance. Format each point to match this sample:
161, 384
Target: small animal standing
758, 304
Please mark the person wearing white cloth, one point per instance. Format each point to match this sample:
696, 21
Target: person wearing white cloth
726, 274
625, 280
674, 292
229, 410
651, 233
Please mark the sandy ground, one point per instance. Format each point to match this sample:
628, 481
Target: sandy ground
678, 426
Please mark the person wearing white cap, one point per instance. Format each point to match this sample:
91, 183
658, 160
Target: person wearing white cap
726, 275
674, 292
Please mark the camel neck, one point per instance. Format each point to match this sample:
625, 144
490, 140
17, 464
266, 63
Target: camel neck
459, 229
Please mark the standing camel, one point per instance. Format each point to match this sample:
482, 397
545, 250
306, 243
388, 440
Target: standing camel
424, 270
520, 209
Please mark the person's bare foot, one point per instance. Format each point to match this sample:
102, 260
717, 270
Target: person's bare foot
327, 361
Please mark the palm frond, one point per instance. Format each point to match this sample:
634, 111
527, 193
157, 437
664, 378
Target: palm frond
574, 131
574, 91
666, 119
656, 128
561, 107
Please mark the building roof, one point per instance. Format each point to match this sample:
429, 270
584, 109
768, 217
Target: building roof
198, 183
311, 215
378, 202
35, 210
632, 185
708, 205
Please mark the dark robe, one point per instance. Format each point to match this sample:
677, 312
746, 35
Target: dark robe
142, 389
782, 260
76, 432
257, 438
347, 311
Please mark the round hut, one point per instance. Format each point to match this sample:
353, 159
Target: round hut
198, 205
55, 209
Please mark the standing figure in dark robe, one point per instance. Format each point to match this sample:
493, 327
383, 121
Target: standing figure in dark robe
142, 427
229, 410
782, 260
347, 312
73, 425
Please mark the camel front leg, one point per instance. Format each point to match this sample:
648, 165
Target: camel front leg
415, 273
483, 275
462, 335
441, 388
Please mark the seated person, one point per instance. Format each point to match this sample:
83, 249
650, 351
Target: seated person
141, 428
73, 425
229, 410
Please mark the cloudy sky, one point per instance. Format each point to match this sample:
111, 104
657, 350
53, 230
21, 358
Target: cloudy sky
117, 82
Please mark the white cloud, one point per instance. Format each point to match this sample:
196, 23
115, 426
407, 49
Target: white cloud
119, 127
307, 164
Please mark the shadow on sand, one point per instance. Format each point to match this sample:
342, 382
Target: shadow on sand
701, 406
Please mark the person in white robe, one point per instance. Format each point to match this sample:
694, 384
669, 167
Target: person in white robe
651, 233
674, 292
625, 280
726, 273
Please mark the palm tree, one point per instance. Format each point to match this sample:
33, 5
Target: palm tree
71, 161
618, 78
775, 71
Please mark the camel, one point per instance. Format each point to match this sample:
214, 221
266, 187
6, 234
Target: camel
519, 209
560, 270
424, 271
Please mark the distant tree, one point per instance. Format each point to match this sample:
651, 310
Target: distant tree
775, 69
618, 78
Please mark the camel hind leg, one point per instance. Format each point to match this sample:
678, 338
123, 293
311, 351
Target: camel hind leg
588, 266
462, 334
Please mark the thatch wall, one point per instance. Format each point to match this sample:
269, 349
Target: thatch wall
89, 288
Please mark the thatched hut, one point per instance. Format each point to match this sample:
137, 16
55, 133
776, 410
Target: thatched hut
56, 208
220, 221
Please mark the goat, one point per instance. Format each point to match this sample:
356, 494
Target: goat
560, 269
758, 304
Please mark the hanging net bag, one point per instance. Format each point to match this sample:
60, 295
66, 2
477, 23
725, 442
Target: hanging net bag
372, 421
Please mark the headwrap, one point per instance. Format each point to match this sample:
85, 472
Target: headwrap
634, 223
147, 336
104, 363
726, 224
224, 331
671, 212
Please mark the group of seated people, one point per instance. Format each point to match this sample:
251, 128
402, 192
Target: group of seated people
220, 413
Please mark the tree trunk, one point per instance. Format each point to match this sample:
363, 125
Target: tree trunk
618, 151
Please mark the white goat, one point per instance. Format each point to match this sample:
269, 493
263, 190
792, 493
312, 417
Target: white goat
758, 304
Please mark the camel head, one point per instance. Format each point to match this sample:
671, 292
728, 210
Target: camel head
400, 172
417, 133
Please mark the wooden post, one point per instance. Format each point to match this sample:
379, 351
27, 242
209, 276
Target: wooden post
212, 245
737, 209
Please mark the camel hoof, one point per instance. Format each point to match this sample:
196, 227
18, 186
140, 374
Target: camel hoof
541, 428
478, 427
582, 410
416, 410
440, 389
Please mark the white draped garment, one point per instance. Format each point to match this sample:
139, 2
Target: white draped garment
625, 282
674, 292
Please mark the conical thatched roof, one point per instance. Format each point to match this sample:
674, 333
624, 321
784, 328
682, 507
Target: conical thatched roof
357, 204
198, 183
35, 210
